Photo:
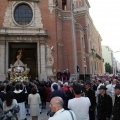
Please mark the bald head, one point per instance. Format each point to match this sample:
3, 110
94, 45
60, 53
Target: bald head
107, 82
56, 104
58, 101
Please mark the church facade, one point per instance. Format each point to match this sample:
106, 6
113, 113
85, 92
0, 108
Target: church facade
41, 31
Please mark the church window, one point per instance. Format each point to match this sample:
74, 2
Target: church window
64, 4
23, 14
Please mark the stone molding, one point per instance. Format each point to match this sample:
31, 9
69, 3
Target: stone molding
65, 15
51, 6
23, 31
9, 15
26, 0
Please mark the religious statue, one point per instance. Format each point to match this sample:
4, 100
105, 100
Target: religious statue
49, 57
49, 61
18, 71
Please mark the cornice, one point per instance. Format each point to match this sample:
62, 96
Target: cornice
23, 31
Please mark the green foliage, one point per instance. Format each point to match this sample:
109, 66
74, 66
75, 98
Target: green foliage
108, 68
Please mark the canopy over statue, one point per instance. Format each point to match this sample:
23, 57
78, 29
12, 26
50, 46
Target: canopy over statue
18, 71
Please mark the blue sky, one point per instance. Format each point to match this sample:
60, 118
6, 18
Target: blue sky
106, 18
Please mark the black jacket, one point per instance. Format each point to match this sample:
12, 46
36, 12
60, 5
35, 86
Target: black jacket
91, 95
2, 96
104, 107
59, 93
116, 108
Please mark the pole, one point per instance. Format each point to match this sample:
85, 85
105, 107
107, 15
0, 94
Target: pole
73, 38
112, 62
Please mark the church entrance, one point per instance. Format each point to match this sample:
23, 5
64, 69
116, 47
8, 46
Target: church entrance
28, 53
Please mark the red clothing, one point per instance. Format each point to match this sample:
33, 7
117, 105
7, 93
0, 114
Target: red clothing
64, 89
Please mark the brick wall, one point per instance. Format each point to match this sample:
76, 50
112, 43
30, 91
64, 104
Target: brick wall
3, 6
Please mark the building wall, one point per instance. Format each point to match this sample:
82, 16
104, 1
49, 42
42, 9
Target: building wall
3, 5
107, 54
91, 36
56, 23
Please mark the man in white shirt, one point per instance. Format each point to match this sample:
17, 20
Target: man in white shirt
59, 82
109, 88
113, 90
56, 105
99, 83
79, 105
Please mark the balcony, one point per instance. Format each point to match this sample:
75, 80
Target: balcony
93, 52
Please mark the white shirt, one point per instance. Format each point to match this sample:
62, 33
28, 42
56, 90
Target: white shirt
63, 115
98, 91
80, 106
113, 89
109, 89
52, 86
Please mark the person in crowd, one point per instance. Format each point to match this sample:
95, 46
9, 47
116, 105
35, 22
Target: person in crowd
56, 105
81, 82
64, 87
2, 92
68, 75
99, 83
20, 96
27, 89
79, 105
91, 95
69, 94
7, 85
116, 108
34, 101
43, 82
103, 81
43, 94
1, 104
9, 102
114, 82
104, 106
93, 85
52, 86
109, 88
64, 76
30, 79
59, 75
12, 88
57, 92
49, 82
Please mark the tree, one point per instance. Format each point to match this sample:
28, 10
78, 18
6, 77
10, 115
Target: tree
108, 68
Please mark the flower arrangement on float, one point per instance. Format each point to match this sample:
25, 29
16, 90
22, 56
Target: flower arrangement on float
18, 73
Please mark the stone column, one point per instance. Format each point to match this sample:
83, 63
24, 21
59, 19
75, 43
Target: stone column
2, 59
38, 59
2, 62
41, 62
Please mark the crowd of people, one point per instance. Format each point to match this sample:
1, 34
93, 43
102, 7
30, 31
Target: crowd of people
96, 99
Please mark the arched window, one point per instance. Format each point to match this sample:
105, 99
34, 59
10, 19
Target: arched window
23, 14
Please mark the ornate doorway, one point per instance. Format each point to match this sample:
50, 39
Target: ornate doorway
28, 55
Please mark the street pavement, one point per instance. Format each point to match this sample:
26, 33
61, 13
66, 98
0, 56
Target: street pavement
43, 115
